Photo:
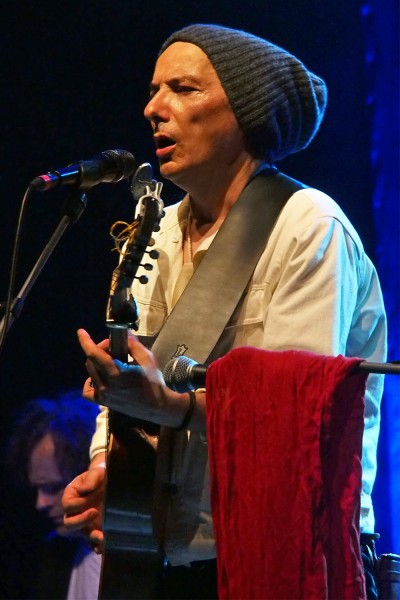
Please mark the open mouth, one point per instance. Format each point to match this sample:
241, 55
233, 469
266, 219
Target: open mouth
164, 145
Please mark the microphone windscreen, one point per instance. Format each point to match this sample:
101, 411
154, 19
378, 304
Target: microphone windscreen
177, 371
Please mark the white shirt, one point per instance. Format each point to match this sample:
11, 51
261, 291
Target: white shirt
313, 289
85, 574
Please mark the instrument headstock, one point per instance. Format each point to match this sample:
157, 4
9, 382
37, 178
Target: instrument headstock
132, 243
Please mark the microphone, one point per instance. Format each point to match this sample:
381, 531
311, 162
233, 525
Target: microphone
108, 167
182, 374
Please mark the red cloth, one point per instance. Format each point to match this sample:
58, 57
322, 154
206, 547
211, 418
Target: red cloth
285, 438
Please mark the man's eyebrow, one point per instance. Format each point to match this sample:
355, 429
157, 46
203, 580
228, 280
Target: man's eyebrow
153, 87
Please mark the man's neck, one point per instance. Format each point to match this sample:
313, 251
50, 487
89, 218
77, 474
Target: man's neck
209, 209
210, 201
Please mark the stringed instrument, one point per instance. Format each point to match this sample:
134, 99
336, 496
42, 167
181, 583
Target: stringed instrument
131, 556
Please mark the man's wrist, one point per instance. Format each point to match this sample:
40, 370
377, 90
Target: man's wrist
99, 460
189, 412
100, 465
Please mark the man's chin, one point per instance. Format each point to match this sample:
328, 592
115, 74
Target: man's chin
166, 168
177, 175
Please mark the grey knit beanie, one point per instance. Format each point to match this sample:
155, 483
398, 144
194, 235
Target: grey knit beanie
277, 102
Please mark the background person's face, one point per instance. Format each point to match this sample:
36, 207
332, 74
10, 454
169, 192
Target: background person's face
45, 477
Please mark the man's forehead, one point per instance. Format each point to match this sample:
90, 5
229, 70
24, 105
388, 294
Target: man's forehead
184, 59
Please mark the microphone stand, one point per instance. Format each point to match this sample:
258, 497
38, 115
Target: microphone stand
74, 206
182, 374
388, 368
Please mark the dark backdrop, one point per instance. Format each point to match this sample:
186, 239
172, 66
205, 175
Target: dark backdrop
74, 83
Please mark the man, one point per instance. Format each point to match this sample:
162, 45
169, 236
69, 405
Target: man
48, 448
224, 107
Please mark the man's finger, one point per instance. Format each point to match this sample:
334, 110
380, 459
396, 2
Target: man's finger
97, 354
140, 353
81, 520
124, 367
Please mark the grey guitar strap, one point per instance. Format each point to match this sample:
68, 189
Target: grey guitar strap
199, 317
193, 326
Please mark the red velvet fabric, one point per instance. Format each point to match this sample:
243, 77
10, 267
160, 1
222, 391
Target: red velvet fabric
285, 438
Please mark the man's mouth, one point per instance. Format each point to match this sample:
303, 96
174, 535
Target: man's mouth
164, 145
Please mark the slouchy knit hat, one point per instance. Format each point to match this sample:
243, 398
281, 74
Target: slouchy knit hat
278, 103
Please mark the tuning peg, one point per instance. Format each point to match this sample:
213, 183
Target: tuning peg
147, 266
153, 253
143, 279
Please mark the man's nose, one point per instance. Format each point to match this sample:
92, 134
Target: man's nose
156, 109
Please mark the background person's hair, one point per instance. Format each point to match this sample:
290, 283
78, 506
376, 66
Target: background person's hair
68, 418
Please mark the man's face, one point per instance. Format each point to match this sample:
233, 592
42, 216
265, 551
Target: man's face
195, 131
44, 475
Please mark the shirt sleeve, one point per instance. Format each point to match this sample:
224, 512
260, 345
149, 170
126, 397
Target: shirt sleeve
316, 290
326, 299
99, 439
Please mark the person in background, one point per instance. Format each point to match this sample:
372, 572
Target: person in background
226, 106
48, 448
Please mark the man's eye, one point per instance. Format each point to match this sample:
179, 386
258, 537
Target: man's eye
183, 89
